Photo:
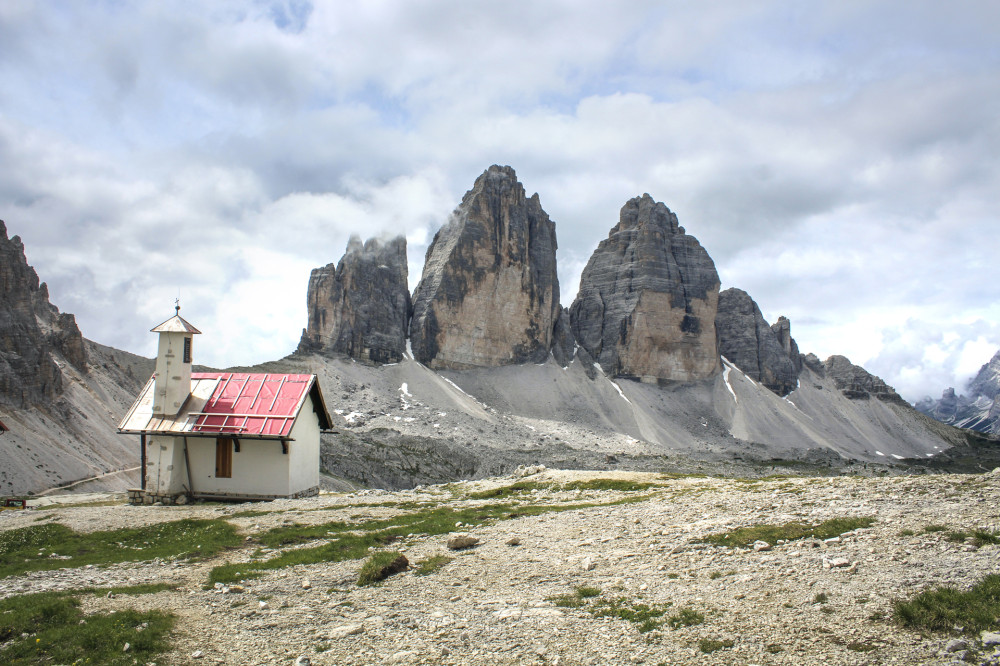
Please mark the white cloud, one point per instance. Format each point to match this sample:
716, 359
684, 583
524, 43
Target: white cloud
837, 160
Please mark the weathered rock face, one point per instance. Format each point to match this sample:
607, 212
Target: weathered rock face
857, 383
648, 299
33, 333
563, 344
361, 307
489, 293
783, 330
746, 340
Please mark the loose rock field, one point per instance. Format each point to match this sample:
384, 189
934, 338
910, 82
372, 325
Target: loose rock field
497, 602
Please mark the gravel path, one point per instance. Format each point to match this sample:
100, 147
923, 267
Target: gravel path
492, 603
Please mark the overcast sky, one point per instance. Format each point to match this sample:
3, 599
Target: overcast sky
838, 160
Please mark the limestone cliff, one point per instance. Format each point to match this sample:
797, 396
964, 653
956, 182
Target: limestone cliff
361, 307
489, 293
746, 340
857, 383
783, 330
33, 333
978, 408
648, 298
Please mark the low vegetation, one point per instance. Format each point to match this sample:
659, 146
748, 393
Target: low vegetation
746, 536
50, 628
708, 645
647, 616
380, 566
431, 564
342, 541
949, 610
53, 546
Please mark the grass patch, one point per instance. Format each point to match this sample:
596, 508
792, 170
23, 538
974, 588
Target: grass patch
708, 645
249, 513
432, 564
132, 590
906, 533
646, 616
351, 541
49, 628
821, 598
931, 529
381, 565
861, 646
745, 536
53, 546
620, 485
945, 608
979, 538
519, 488
685, 617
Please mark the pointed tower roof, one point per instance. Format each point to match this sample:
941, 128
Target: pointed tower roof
176, 324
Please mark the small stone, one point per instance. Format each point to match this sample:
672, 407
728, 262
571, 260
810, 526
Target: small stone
957, 645
197, 654
181, 500
759, 546
263, 605
462, 541
236, 589
839, 562
514, 542
990, 638
345, 630
126, 648
587, 564
302, 661
306, 584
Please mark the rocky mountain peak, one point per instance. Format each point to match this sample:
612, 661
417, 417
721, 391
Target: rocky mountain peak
489, 293
33, 333
760, 351
648, 299
361, 306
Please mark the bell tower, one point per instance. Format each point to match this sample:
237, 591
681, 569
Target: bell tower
173, 364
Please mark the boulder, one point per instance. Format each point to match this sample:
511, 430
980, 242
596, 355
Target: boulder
489, 293
648, 298
748, 342
361, 307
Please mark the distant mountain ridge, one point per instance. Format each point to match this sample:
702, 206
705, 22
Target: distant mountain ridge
482, 369
977, 410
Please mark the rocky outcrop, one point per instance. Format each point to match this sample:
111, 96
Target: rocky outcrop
783, 330
361, 307
977, 409
489, 294
748, 342
648, 298
857, 383
34, 335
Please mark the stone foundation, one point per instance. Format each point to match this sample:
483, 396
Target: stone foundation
137, 496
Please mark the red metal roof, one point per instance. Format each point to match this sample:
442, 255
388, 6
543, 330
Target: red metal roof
255, 404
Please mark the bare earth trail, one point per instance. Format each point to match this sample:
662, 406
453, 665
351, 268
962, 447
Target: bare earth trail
493, 604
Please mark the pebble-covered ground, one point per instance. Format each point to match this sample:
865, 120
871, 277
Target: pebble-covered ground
803, 602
